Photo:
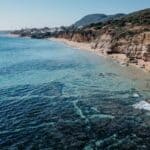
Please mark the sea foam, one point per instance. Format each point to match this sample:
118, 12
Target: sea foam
142, 105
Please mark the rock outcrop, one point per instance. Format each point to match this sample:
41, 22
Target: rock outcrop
129, 35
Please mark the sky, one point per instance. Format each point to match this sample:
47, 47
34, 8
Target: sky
16, 14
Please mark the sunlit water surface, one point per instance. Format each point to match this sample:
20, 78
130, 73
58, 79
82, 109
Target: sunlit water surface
56, 97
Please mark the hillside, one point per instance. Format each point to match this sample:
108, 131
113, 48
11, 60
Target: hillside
96, 18
129, 35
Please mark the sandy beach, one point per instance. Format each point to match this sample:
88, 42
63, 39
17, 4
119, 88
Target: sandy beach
83, 46
120, 58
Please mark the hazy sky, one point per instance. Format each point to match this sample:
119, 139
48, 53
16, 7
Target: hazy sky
38, 13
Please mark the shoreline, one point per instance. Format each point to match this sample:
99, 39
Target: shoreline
12, 35
119, 58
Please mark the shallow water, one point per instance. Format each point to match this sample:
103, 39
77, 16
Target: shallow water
56, 97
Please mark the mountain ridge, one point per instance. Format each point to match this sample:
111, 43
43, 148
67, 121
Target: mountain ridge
96, 18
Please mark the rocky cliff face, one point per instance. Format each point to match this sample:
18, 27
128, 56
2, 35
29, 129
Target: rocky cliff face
135, 47
129, 35
139, 47
135, 44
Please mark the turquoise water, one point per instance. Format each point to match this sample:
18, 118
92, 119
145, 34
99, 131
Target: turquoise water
56, 97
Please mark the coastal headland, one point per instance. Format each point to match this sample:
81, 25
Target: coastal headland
125, 38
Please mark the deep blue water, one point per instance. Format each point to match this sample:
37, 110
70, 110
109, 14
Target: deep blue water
54, 97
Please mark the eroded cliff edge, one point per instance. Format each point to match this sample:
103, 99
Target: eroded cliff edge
129, 35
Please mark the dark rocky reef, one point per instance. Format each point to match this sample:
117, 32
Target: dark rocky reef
41, 117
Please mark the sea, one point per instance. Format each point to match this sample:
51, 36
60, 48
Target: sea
54, 97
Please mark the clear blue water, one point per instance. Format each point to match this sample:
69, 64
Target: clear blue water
56, 97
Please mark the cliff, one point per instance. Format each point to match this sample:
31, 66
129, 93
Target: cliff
128, 35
